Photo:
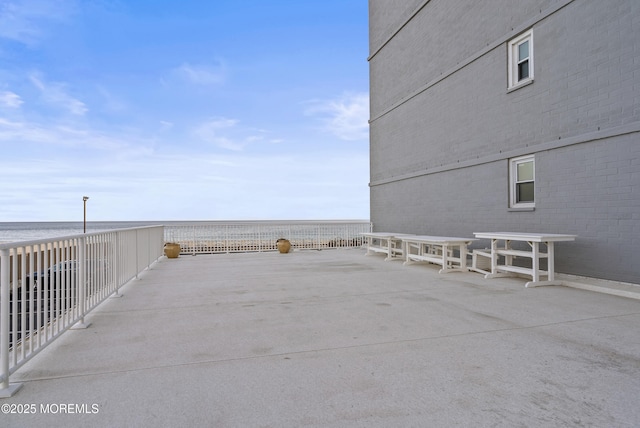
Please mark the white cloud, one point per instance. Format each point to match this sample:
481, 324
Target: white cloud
346, 117
224, 133
10, 99
112, 103
203, 75
25, 21
165, 125
55, 94
181, 186
21, 132
69, 136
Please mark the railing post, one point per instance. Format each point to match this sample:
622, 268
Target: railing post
152, 242
118, 258
6, 389
116, 270
82, 283
226, 238
137, 246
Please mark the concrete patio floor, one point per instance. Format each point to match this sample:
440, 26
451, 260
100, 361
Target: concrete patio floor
335, 338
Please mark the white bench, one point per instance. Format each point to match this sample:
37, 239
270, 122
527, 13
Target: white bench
508, 254
386, 243
440, 250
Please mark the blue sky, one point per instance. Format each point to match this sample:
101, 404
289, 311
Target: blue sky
183, 110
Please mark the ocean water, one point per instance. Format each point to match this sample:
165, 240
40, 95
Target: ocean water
201, 231
28, 231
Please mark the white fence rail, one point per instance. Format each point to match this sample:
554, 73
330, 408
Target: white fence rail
48, 286
227, 237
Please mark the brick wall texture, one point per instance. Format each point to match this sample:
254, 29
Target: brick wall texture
444, 125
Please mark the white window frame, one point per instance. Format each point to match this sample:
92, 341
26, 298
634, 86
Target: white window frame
513, 182
513, 47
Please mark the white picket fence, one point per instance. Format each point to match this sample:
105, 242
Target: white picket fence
245, 236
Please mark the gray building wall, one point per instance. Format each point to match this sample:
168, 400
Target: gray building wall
444, 125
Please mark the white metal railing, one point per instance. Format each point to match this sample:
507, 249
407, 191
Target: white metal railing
48, 286
244, 236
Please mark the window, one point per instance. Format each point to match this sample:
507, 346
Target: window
521, 60
522, 172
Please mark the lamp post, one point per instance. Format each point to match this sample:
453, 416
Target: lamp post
84, 200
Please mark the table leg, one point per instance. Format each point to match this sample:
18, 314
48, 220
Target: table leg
463, 257
494, 256
550, 262
508, 260
535, 261
407, 250
494, 260
444, 258
388, 249
550, 270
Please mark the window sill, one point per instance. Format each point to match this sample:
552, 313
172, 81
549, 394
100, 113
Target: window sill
521, 209
519, 85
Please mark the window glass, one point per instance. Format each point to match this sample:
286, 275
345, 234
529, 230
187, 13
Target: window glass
525, 171
523, 51
524, 192
523, 70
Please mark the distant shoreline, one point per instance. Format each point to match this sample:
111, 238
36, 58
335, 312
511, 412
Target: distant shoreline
34, 230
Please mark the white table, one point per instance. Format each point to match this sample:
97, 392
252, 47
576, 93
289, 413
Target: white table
437, 249
533, 240
387, 243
